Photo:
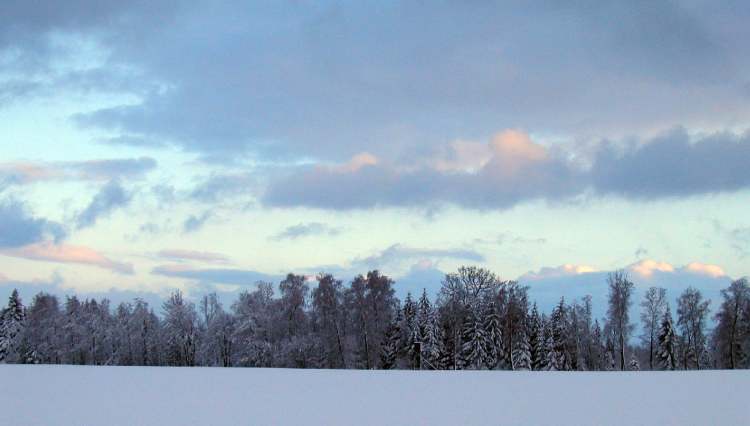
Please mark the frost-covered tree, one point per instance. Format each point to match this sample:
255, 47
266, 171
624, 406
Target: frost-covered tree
180, 330
618, 315
536, 340
254, 314
596, 355
665, 353
652, 310
389, 349
216, 345
692, 312
11, 326
731, 331
522, 352
473, 351
559, 355
330, 319
42, 334
493, 336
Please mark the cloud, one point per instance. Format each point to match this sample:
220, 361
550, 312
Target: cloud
546, 289
20, 173
306, 230
672, 165
187, 255
646, 268
705, 269
213, 276
516, 169
557, 271
513, 169
399, 253
18, 227
64, 253
195, 222
109, 198
219, 186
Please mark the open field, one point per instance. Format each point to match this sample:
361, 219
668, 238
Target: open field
71, 395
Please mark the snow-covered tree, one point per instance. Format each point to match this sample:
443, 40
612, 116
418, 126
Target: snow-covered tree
666, 343
389, 349
522, 352
11, 325
493, 336
692, 313
618, 312
652, 310
559, 355
731, 330
536, 340
473, 351
180, 329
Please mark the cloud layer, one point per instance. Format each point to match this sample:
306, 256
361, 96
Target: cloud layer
69, 254
512, 168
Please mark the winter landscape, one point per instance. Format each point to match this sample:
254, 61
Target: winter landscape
401, 212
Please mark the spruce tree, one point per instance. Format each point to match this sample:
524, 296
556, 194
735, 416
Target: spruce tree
474, 340
390, 346
521, 351
11, 325
536, 340
667, 340
494, 349
558, 321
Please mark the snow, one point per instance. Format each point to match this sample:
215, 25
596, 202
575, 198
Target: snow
72, 395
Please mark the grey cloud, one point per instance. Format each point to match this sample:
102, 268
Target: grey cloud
109, 198
306, 229
195, 222
18, 227
342, 77
671, 165
219, 186
400, 253
214, 276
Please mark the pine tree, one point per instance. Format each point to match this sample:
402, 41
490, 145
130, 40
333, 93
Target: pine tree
389, 348
667, 340
433, 351
494, 349
474, 340
522, 352
536, 340
558, 322
548, 352
11, 325
409, 330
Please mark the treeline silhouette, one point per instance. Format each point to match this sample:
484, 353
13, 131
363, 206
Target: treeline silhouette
477, 322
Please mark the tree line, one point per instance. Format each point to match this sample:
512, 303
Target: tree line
477, 322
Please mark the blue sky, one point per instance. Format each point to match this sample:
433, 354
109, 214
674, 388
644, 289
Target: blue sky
203, 146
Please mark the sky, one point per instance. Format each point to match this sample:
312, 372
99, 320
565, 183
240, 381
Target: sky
148, 146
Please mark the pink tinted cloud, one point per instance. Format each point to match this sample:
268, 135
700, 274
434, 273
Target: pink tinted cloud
187, 255
64, 253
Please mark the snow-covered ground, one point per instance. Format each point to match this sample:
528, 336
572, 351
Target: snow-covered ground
68, 395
